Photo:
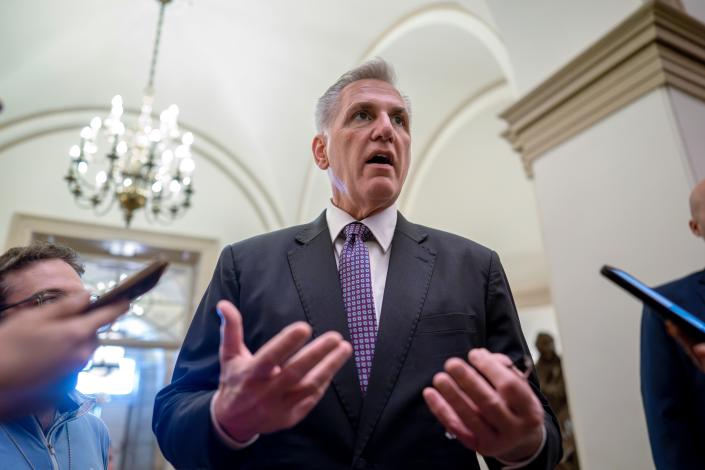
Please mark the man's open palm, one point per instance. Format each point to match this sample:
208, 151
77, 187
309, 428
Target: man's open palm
276, 387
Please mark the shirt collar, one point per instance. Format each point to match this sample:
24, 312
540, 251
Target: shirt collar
382, 224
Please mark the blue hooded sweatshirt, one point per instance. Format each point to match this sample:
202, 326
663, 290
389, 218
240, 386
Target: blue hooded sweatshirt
77, 440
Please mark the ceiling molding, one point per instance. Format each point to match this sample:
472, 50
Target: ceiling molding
658, 45
55, 121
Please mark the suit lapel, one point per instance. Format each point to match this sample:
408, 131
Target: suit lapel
315, 275
408, 278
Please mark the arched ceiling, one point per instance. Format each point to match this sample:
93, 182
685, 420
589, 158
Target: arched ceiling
246, 76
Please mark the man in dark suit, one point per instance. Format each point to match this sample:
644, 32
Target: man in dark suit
408, 302
672, 385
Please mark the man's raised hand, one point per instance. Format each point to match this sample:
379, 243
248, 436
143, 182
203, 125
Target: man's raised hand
489, 407
277, 386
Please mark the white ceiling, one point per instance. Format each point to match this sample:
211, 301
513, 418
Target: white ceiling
246, 76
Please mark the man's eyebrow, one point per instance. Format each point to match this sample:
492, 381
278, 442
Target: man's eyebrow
370, 104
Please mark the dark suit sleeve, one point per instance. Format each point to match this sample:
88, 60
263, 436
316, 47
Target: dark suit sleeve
504, 335
666, 395
181, 418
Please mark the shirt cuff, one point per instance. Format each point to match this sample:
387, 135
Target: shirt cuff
227, 440
525, 462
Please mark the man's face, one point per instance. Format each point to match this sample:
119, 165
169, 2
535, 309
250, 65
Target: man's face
366, 147
53, 275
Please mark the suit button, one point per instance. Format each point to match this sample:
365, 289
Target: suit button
360, 464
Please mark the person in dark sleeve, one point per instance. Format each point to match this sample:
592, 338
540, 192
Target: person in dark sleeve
672, 384
396, 310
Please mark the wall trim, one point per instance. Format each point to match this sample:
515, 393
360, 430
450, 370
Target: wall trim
657, 46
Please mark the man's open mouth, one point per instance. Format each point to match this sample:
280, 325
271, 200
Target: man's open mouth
380, 159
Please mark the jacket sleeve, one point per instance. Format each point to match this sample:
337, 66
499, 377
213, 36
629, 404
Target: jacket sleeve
666, 394
181, 420
504, 336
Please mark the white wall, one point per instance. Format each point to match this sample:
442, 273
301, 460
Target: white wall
689, 125
617, 194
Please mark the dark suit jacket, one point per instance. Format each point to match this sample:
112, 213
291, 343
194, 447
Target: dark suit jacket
672, 388
443, 296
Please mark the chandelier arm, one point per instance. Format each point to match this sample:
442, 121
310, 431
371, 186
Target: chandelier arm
108, 206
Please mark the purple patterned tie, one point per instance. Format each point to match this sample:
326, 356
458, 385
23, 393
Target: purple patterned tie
356, 282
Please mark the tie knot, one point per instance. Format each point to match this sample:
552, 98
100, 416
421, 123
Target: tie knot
359, 229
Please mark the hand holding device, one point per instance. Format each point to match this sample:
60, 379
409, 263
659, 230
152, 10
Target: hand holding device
132, 287
687, 323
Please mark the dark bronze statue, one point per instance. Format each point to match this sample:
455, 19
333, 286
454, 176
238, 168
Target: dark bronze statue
550, 373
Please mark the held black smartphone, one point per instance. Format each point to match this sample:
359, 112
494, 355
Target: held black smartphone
691, 325
133, 286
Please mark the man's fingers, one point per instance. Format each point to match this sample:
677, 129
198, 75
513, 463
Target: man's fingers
508, 393
277, 350
102, 316
464, 407
231, 335
318, 378
490, 404
445, 414
308, 356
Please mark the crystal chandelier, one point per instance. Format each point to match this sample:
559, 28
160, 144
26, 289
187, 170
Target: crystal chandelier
145, 165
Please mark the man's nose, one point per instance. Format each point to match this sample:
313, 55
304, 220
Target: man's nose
383, 129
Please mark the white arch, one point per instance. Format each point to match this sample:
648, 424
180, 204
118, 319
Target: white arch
453, 15
471, 107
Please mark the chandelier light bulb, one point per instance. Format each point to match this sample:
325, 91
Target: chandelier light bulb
167, 157
187, 139
157, 187
174, 186
116, 110
96, 122
121, 148
86, 133
187, 166
101, 177
127, 182
181, 152
75, 151
82, 167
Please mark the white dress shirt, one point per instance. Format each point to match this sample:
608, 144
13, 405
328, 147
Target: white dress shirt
382, 225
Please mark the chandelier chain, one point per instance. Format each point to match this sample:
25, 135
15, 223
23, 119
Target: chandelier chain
155, 49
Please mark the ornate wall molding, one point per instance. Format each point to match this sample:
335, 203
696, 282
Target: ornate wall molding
658, 45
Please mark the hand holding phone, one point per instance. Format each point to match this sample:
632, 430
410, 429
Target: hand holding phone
687, 323
132, 287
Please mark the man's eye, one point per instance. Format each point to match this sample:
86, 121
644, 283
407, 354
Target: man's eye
399, 120
363, 115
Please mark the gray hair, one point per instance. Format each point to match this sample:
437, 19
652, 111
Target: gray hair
374, 69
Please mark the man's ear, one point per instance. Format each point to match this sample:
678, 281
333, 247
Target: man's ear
695, 228
320, 153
